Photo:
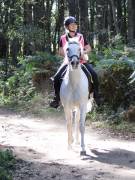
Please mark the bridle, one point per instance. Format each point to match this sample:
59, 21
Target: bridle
74, 55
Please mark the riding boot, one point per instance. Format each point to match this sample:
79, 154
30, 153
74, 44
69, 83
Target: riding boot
55, 103
96, 97
56, 100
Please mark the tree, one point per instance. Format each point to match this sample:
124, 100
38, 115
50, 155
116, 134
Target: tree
59, 19
84, 21
131, 21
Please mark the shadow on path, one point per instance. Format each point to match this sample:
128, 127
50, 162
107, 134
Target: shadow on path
120, 157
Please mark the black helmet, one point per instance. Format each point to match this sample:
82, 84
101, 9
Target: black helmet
69, 20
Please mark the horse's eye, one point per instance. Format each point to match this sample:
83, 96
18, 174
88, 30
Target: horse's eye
67, 49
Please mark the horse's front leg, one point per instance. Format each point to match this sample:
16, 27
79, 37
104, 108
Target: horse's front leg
69, 128
82, 128
77, 121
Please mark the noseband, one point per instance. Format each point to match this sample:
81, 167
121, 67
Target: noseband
71, 57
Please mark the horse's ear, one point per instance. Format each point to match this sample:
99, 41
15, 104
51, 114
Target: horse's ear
67, 49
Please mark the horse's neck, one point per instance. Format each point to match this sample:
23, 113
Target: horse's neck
75, 77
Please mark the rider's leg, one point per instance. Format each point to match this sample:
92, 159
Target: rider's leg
95, 82
89, 78
57, 79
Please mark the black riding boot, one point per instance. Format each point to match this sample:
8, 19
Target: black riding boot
89, 71
96, 97
57, 80
56, 100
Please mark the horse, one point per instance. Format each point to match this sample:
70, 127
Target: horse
74, 93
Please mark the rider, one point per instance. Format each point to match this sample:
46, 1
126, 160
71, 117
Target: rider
71, 32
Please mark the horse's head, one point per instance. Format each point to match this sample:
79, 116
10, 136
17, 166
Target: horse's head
73, 54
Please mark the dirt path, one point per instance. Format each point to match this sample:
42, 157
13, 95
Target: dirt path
41, 148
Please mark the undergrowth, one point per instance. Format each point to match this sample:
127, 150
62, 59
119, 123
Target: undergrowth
7, 162
106, 119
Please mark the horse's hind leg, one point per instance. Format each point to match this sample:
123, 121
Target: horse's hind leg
82, 128
69, 128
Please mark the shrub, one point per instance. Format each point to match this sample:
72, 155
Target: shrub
7, 162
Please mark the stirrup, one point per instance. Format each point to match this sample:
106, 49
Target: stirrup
54, 104
52, 78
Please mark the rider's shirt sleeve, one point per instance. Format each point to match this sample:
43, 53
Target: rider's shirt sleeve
60, 42
85, 42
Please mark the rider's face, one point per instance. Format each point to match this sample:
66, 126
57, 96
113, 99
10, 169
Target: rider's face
72, 27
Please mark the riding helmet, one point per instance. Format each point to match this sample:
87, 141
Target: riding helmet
70, 20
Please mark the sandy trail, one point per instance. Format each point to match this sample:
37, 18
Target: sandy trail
40, 145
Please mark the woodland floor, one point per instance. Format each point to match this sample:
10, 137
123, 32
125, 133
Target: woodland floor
40, 146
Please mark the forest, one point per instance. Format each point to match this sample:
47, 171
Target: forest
29, 34
28, 26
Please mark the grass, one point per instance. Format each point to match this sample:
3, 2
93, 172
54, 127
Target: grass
7, 162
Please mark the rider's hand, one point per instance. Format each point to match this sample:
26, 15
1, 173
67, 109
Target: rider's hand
85, 52
84, 56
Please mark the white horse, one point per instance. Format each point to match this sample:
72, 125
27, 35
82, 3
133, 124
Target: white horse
74, 93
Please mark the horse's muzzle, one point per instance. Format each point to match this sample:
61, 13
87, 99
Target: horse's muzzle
75, 63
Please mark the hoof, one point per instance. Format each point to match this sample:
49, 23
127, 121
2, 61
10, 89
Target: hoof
83, 153
77, 143
70, 148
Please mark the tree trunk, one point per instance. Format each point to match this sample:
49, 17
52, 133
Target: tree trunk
131, 22
28, 20
115, 16
72, 7
15, 47
48, 39
58, 24
102, 22
39, 21
84, 21
27, 13
38, 13
124, 31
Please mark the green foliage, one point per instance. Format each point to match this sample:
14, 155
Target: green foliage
111, 53
114, 69
7, 162
115, 86
18, 86
42, 62
107, 119
33, 34
24, 82
94, 57
117, 42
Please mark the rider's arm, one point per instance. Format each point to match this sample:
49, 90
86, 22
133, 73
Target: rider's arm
87, 49
61, 51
